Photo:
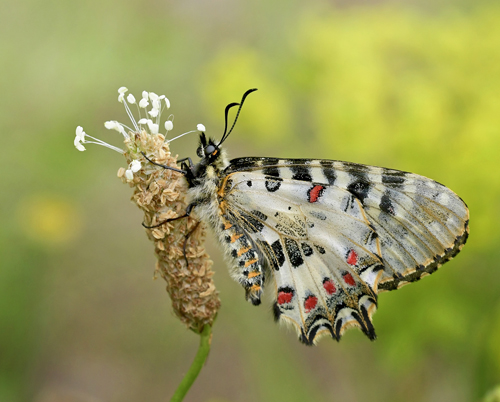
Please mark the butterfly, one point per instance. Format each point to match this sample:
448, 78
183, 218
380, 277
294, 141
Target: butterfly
327, 236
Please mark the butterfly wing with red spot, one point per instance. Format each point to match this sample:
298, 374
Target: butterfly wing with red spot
333, 234
325, 281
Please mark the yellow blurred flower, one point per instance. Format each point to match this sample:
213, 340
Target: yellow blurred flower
49, 219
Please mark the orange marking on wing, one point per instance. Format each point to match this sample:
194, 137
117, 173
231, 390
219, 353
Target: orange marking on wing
227, 225
250, 262
235, 237
253, 274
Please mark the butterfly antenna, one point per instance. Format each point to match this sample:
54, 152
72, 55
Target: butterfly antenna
226, 113
226, 133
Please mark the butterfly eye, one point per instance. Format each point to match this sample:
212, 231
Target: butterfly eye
199, 152
209, 150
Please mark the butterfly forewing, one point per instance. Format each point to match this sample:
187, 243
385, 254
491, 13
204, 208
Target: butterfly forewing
334, 234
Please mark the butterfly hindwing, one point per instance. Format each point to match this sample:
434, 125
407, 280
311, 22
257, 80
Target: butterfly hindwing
334, 234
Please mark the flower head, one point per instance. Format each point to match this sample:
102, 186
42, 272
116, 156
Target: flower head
161, 194
148, 121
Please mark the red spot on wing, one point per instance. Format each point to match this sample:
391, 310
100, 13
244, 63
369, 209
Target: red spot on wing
310, 303
284, 297
352, 258
349, 279
329, 287
315, 192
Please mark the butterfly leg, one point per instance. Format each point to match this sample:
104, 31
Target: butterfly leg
188, 212
186, 159
164, 166
185, 243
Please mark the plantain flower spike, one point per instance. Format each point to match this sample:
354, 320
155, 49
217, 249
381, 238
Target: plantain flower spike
161, 194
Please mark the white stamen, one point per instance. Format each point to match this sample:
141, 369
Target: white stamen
80, 133
153, 96
78, 144
122, 90
131, 117
114, 125
131, 99
153, 112
80, 139
143, 103
129, 175
200, 127
142, 121
153, 128
169, 125
104, 144
135, 166
167, 102
182, 135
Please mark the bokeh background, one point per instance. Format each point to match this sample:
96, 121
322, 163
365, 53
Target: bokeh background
412, 85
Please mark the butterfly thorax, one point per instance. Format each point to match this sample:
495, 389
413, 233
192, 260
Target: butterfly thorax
204, 180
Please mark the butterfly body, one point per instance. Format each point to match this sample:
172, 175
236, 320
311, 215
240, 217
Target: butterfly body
327, 236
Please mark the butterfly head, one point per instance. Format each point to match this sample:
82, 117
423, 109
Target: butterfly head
213, 157
207, 148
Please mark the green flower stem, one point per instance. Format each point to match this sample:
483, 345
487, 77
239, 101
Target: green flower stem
196, 366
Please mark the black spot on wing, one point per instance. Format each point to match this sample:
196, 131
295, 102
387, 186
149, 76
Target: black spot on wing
273, 183
271, 169
250, 223
259, 215
386, 205
240, 164
393, 178
300, 172
293, 252
276, 311
318, 215
328, 171
359, 187
307, 250
279, 256
269, 161
320, 249
355, 168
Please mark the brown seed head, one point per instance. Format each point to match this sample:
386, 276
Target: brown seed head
161, 194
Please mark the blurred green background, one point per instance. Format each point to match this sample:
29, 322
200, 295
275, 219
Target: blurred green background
412, 85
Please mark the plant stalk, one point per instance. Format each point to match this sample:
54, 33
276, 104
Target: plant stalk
196, 366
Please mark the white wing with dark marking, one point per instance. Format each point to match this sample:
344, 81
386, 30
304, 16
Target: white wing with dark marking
335, 234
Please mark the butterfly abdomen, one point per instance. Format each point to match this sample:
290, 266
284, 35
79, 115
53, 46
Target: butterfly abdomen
245, 259
243, 256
